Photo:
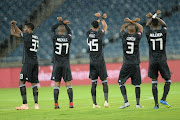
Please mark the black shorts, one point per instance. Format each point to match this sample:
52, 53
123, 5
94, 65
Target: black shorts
98, 69
130, 71
29, 72
162, 67
61, 71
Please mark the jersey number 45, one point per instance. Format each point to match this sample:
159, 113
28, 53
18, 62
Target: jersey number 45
93, 45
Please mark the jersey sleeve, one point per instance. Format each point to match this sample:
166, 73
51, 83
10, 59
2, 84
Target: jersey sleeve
164, 29
139, 35
102, 33
122, 34
147, 31
23, 36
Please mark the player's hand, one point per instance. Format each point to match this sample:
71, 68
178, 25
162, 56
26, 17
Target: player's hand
158, 12
136, 20
149, 15
59, 19
13, 22
66, 21
97, 14
98, 20
104, 16
127, 20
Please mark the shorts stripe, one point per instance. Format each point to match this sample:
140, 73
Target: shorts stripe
137, 85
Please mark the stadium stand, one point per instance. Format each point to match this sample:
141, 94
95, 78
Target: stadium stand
80, 14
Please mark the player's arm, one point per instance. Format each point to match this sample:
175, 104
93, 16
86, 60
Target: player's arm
54, 27
123, 27
15, 31
140, 27
105, 27
66, 22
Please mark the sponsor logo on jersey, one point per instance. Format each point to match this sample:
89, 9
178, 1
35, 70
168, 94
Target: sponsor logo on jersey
131, 38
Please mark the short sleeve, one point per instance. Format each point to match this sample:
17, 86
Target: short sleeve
122, 34
139, 34
164, 29
23, 35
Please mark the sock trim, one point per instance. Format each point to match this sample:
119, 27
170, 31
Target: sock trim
56, 87
22, 85
154, 82
95, 80
104, 81
68, 87
33, 86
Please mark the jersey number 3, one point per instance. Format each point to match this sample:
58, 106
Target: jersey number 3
130, 47
35, 45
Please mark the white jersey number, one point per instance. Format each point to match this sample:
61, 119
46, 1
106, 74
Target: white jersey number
130, 47
35, 45
59, 47
93, 44
154, 43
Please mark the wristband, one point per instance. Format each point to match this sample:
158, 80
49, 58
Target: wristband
154, 16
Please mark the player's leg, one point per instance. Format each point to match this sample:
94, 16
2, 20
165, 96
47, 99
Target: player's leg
103, 76
35, 94
56, 94
56, 76
105, 90
153, 74
93, 75
22, 86
123, 76
136, 81
70, 93
34, 80
165, 73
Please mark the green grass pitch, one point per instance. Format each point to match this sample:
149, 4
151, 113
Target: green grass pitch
10, 98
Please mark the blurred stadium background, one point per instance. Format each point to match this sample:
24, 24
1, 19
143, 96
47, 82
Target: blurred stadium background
80, 13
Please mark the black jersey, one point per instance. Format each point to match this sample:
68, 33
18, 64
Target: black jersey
61, 45
157, 43
31, 45
94, 41
130, 44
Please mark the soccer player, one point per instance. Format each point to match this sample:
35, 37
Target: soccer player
29, 71
131, 60
156, 35
97, 63
61, 63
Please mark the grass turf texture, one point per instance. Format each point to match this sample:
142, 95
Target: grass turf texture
10, 98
